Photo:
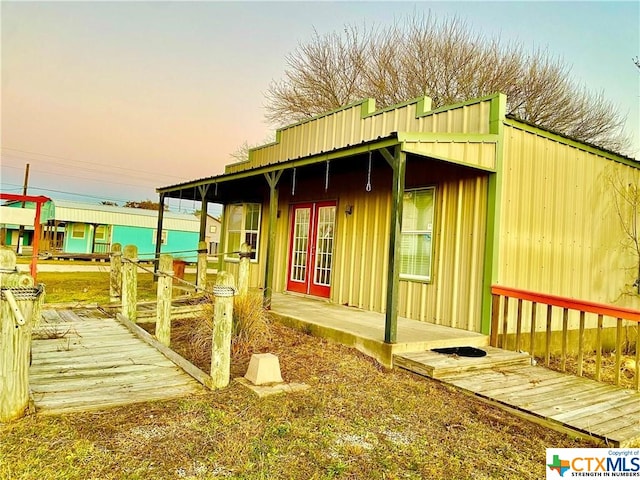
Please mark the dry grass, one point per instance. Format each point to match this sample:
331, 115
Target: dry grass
628, 369
250, 331
358, 421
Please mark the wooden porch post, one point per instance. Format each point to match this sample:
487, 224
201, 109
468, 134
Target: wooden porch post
203, 212
201, 274
398, 163
92, 228
36, 241
156, 261
272, 179
223, 240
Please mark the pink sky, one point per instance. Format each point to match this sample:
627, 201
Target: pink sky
111, 100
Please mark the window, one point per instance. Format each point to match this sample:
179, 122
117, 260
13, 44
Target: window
164, 237
243, 226
101, 232
416, 244
213, 229
77, 230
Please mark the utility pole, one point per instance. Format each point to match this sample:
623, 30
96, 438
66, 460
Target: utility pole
24, 192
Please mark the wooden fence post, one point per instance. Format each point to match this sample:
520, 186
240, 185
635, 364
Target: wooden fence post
201, 280
115, 273
20, 305
163, 311
223, 292
130, 283
243, 269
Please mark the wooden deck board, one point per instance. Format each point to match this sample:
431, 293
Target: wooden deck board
98, 363
561, 401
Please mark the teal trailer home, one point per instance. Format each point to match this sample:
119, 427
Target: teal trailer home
90, 229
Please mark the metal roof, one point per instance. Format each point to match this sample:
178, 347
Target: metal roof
69, 211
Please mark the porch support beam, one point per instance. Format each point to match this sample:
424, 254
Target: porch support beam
158, 235
389, 158
272, 179
399, 163
223, 239
202, 189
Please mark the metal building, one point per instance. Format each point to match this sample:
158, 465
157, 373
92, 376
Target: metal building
419, 212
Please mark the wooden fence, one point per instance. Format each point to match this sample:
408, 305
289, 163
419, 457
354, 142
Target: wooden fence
520, 331
123, 285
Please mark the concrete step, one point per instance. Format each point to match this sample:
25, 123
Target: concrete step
438, 365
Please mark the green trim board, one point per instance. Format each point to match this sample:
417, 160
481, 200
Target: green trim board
399, 165
497, 115
272, 179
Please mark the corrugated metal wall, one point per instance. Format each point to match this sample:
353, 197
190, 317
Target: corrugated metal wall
359, 279
559, 231
453, 297
354, 124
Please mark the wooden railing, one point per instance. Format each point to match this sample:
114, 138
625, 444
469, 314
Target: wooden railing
507, 335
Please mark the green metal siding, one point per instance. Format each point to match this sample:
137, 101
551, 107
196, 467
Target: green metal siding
559, 231
359, 122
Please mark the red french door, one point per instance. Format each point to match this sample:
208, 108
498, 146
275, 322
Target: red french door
311, 248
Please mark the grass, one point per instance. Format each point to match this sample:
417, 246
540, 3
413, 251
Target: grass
357, 421
91, 287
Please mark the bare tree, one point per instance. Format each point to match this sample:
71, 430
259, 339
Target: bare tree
626, 201
448, 62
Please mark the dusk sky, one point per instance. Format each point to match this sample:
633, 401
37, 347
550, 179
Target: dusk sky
109, 100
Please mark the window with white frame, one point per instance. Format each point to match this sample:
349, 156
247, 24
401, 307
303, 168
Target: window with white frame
416, 245
163, 237
101, 233
77, 230
243, 226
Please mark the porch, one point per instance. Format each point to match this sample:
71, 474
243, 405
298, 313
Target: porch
578, 406
364, 330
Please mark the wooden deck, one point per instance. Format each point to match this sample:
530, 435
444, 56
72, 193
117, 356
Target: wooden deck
557, 400
83, 360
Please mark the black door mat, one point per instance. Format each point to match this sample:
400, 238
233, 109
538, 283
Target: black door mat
461, 351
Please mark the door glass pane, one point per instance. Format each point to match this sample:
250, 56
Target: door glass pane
300, 244
324, 245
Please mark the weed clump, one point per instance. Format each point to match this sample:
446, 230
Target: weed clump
250, 330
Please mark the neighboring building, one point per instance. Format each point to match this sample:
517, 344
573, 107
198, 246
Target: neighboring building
212, 235
88, 229
418, 212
